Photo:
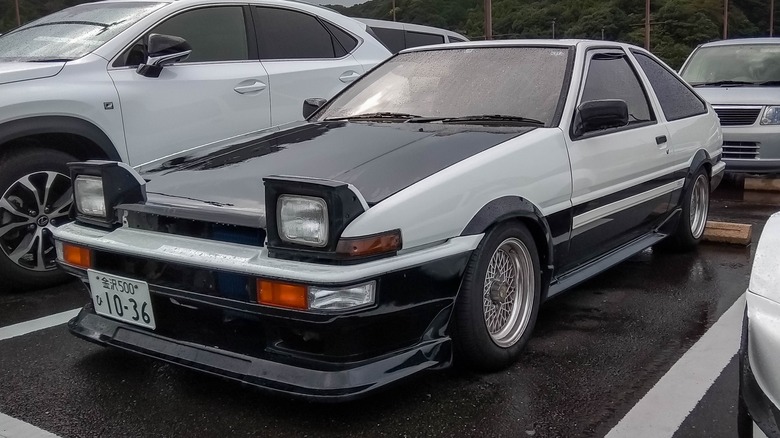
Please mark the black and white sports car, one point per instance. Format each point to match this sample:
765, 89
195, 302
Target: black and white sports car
423, 214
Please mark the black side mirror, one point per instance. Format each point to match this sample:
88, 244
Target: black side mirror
163, 50
311, 105
596, 115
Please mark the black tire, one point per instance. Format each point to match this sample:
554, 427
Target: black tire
684, 239
15, 165
475, 347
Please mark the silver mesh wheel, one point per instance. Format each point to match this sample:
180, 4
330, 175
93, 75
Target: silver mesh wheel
508, 292
700, 204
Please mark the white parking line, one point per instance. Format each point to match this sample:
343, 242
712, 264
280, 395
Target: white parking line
661, 412
26, 327
13, 428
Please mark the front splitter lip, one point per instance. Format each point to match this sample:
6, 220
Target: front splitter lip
352, 381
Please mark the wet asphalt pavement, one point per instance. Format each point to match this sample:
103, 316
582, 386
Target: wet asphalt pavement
596, 351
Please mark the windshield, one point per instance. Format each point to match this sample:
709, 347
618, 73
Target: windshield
738, 64
71, 33
450, 83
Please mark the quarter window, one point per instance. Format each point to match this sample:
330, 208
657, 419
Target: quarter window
415, 39
286, 34
677, 100
215, 34
393, 39
611, 77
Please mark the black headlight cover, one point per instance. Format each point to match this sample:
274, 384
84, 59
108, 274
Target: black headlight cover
343, 207
121, 185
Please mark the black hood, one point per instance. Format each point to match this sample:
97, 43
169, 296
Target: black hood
379, 159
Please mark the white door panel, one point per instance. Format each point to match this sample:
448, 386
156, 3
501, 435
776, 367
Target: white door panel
190, 105
291, 82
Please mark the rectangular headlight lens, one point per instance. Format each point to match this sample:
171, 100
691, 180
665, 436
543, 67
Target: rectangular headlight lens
88, 192
303, 220
771, 116
334, 298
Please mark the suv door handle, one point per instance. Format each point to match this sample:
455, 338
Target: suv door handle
661, 139
251, 87
349, 76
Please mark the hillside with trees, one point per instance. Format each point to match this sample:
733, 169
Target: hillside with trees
677, 25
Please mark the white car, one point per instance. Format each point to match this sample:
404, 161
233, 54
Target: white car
134, 81
426, 211
397, 36
759, 358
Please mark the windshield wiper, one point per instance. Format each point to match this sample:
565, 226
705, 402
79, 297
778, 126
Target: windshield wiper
51, 60
494, 119
373, 116
722, 83
768, 84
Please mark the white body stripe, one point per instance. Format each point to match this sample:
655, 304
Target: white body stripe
626, 203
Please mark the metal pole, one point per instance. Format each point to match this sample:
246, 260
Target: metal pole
647, 24
602, 33
771, 18
553, 28
393, 10
725, 19
488, 19
18, 17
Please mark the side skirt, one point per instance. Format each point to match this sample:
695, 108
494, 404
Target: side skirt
576, 276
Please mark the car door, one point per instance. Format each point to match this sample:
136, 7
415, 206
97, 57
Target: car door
304, 56
219, 91
621, 184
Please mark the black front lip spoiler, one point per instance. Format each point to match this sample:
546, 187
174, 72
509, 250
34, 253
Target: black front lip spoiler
354, 380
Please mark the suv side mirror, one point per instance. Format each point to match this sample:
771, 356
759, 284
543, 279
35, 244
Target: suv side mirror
163, 50
311, 105
596, 115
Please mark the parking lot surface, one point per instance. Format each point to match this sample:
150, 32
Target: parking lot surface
595, 354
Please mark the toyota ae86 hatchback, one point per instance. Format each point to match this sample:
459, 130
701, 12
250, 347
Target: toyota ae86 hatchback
420, 217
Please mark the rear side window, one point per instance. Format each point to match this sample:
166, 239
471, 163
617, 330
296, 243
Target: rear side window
345, 40
677, 100
286, 34
611, 77
215, 34
393, 39
415, 39
456, 40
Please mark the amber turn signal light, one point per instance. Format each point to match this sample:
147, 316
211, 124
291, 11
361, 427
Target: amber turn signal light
76, 256
272, 293
370, 245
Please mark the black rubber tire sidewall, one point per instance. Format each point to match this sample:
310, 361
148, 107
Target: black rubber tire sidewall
14, 165
474, 348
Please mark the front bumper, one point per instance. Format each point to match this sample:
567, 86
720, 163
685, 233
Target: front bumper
311, 354
767, 144
759, 356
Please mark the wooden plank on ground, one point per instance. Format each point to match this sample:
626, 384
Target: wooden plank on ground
762, 184
726, 232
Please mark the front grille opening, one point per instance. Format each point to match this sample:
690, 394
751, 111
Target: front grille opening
198, 280
741, 150
194, 228
737, 116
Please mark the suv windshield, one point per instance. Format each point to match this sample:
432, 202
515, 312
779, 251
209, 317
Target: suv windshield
71, 33
748, 64
516, 83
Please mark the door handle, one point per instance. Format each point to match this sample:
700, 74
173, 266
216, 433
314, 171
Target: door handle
255, 86
349, 76
661, 139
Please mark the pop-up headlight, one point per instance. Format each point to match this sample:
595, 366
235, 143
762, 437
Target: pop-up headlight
303, 220
100, 186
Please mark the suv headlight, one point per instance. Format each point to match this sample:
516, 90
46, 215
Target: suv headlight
771, 116
303, 220
88, 193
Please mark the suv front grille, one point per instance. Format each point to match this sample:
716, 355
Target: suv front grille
743, 150
737, 116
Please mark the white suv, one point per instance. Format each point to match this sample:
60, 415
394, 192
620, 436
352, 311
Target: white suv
89, 82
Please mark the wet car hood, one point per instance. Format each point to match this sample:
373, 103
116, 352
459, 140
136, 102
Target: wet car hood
744, 95
25, 71
379, 159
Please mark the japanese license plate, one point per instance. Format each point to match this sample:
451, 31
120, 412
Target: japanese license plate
121, 298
